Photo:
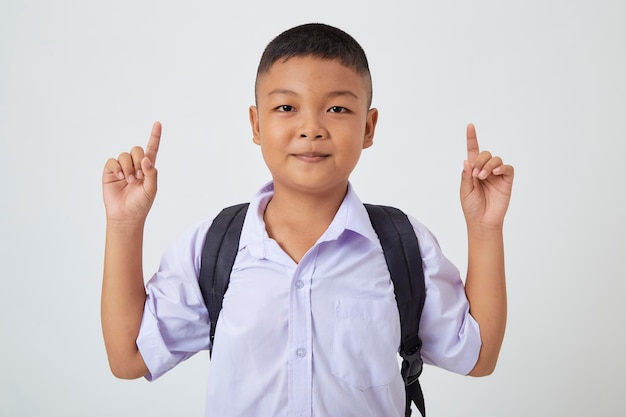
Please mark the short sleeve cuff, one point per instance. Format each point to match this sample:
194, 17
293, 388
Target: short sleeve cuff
153, 349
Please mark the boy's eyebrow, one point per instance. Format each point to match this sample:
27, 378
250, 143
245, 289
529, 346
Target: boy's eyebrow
282, 91
332, 94
342, 93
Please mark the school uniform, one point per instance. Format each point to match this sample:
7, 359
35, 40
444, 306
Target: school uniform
317, 338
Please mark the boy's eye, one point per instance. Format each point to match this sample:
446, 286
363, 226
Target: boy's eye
337, 109
285, 108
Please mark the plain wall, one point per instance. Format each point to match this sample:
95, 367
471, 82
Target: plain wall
544, 82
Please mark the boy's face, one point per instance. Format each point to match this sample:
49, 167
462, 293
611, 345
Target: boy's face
312, 121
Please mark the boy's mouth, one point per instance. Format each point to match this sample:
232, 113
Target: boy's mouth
311, 156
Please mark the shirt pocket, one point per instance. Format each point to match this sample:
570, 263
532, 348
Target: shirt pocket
366, 337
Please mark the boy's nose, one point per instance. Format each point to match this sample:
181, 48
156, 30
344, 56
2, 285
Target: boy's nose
308, 135
311, 128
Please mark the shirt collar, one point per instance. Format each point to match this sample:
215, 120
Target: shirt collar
351, 215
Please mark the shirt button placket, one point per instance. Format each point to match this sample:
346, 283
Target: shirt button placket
301, 339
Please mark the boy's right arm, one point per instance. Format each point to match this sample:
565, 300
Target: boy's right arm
129, 185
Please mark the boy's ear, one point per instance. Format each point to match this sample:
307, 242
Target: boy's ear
370, 127
254, 123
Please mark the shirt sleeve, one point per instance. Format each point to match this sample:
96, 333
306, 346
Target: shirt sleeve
450, 336
175, 322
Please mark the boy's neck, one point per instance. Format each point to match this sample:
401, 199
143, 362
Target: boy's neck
296, 220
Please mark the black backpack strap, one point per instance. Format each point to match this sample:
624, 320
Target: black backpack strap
218, 257
404, 262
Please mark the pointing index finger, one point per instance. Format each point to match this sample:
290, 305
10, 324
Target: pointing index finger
153, 143
472, 143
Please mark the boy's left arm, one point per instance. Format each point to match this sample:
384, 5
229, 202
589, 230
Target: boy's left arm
486, 185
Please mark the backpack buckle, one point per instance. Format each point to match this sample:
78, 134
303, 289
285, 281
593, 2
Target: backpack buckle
412, 365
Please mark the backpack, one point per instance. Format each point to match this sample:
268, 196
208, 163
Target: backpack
402, 256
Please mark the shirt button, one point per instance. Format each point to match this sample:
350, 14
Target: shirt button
301, 352
299, 284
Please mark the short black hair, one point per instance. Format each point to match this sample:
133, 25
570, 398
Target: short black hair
318, 40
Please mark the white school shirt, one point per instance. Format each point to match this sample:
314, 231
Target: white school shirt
318, 338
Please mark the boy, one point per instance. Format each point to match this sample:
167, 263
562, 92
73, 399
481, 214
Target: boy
309, 325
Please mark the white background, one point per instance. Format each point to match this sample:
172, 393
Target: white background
544, 82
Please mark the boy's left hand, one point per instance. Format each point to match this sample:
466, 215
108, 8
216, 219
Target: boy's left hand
486, 185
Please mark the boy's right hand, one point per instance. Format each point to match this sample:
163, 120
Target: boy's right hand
129, 183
